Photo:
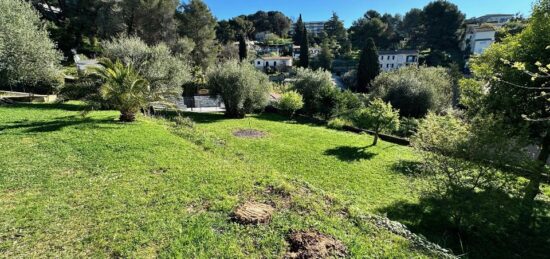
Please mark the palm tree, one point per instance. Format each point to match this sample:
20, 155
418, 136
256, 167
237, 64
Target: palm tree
123, 88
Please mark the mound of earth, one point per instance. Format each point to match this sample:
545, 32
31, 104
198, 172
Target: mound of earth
312, 244
249, 133
253, 213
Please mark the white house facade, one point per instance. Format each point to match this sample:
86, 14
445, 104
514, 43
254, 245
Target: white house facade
478, 38
395, 59
279, 63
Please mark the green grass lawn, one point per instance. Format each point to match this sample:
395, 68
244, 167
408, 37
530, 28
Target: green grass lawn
73, 186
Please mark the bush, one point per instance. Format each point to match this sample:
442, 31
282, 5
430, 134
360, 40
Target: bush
165, 71
350, 79
407, 127
321, 97
242, 88
290, 102
415, 91
337, 123
29, 60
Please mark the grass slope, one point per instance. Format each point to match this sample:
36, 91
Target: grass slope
91, 187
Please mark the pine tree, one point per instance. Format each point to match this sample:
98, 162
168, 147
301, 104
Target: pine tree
304, 50
243, 51
197, 23
298, 29
369, 67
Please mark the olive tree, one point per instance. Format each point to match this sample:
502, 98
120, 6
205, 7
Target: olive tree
378, 116
165, 70
242, 87
415, 90
28, 57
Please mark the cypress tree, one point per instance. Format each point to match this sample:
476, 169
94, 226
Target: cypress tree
298, 29
369, 67
304, 50
243, 51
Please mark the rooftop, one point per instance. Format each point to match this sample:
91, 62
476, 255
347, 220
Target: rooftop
397, 52
275, 58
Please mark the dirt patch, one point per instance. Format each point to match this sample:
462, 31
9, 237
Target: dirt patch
253, 213
249, 133
312, 244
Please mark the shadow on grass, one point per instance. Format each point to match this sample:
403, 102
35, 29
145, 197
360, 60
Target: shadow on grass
55, 124
350, 154
48, 106
476, 224
407, 168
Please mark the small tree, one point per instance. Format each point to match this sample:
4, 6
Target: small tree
123, 88
368, 68
243, 51
304, 50
378, 116
290, 102
242, 88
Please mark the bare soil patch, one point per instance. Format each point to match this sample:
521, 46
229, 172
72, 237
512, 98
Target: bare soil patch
313, 244
253, 213
249, 133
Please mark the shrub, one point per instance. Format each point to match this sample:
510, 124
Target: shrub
312, 85
378, 116
166, 72
350, 79
123, 88
337, 123
407, 127
242, 88
415, 91
290, 102
28, 58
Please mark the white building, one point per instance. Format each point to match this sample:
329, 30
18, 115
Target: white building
394, 59
311, 27
478, 38
278, 63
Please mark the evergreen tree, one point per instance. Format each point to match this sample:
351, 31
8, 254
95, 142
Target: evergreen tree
299, 27
198, 24
369, 67
326, 56
304, 50
335, 30
243, 51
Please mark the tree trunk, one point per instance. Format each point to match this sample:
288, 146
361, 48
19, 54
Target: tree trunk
126, 116
533, 188
375, 139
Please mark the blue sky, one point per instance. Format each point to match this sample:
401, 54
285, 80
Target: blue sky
350, 10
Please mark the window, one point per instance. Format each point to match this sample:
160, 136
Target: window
274, 63
391, 65
259, 62
388, 57
381, 66
387, 65
393, 58
381, 57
